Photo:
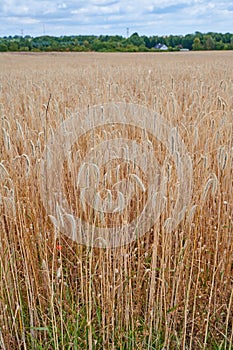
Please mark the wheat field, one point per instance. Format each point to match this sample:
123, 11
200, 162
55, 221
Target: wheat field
163, 290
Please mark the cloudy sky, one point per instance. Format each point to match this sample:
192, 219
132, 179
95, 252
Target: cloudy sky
149, 17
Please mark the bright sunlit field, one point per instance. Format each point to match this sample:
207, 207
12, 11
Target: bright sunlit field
164, 290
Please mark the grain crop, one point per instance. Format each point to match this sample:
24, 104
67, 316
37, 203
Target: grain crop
164, 290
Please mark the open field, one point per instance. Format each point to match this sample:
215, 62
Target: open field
165, 290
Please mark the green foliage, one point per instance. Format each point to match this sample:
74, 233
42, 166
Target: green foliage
13, 46
136, 40
197, 44
210, 43
3, 47
111, 43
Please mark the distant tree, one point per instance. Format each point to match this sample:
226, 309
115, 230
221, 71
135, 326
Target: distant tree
24, 44
24, 48
199, 35
197, 41
219, 45
147, 42
187, 41
153, 40
132, 48
197, 44
13, 46
86, 43
227, 38
173, 40
231, 43
209, 42
3, 47
136, 40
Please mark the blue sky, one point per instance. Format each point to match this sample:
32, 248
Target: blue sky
70, 17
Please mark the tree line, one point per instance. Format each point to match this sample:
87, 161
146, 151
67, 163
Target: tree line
114, 43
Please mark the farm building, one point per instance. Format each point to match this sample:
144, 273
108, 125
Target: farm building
161, 47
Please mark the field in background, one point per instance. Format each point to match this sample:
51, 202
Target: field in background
164, 291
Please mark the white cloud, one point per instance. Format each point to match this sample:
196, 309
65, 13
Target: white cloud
113, 16
62, 6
